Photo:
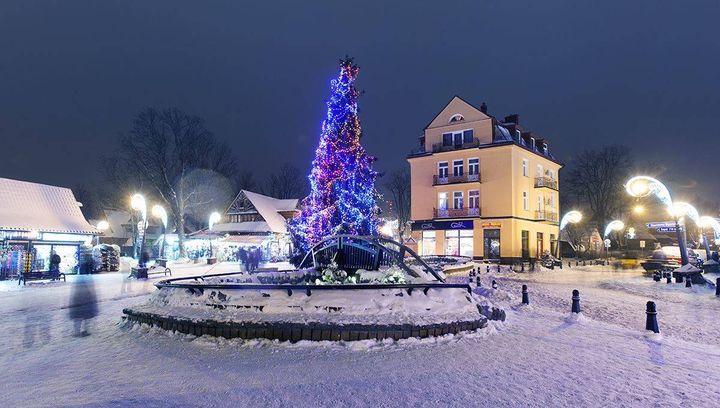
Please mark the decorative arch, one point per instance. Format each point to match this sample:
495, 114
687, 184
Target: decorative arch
456, 118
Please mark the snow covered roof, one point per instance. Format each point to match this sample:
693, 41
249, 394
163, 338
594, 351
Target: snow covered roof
269, 209
246, 226
26, 206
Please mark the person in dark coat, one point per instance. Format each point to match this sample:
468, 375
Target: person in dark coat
242, 256
55, 261
83, 304
251, 260
258, 257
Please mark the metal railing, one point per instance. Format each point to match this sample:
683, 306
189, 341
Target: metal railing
440, 147
546, 216
465, 178
546, 182
455, 212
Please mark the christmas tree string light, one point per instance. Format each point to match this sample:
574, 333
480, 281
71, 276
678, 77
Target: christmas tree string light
342, 198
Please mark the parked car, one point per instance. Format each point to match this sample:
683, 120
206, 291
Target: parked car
668, 257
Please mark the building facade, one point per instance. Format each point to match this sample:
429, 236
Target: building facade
483, 187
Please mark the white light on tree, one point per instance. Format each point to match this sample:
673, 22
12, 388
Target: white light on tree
616, 225
214, 219
680, 209
710, 222
137, 202
571, 217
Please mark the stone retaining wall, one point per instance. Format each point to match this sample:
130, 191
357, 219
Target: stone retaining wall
286, 331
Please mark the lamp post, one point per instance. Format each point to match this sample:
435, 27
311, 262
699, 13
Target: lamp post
615, 225
159, 212
101, 226
570, 217
214, 219
137, 202
643, 186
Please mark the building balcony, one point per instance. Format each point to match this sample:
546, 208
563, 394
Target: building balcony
465, 178
439, 147
546, 182
455, 212
550, 216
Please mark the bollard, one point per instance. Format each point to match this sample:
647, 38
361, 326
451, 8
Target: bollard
669, 278
688, 282
525, 298
717, 287
477, 280
494, 284
488, 269
577, 263
583, 263
522, 267
651, 323
569, 264
498, 267
575, 301
656, 277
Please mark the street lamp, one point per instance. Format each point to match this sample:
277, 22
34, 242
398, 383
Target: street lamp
159, 212
644, 186
137, 202
101, 226
214, 219
615, 225
570, 217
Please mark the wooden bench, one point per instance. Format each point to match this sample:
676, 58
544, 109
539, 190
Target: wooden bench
144, 273
40, 275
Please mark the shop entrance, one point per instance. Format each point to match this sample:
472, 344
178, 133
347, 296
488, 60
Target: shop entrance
540, 246
491, 244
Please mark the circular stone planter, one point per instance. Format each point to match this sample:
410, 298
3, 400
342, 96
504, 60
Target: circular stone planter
223, 306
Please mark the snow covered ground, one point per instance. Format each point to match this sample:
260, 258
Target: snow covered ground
536, 358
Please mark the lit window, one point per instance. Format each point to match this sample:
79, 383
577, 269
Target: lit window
442, 201
458, 199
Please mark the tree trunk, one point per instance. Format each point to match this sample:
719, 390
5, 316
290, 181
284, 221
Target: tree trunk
181, 232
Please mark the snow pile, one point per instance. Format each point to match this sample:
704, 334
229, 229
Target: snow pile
381, 306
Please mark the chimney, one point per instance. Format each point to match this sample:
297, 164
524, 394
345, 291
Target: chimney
514, 118
483, 108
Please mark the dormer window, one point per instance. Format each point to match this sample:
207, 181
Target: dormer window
456, 118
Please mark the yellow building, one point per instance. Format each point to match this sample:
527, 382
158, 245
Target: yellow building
483, 187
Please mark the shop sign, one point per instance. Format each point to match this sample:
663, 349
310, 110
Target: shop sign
442, 225
491, 225
661, 224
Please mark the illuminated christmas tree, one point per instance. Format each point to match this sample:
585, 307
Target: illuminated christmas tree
342, 181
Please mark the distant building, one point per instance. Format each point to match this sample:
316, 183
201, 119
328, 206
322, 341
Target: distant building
35, 220
122, 229
256, 220
483, 187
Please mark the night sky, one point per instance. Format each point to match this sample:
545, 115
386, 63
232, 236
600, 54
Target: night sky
581, 73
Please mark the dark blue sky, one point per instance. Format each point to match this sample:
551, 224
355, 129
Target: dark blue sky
581, 73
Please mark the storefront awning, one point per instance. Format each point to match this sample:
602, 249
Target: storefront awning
247, 239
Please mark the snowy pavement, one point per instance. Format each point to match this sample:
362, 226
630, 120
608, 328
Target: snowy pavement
535, 358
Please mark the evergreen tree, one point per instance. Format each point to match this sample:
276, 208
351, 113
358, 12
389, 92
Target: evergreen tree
342, 181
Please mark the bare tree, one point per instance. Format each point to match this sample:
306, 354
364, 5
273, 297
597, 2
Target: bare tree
397, 187
165, 149
245, 180
287, 182
595, 180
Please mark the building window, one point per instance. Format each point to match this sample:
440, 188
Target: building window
539, 171
550, 174
443, 169
525, 239
526, 201
447, 139
456, 118
428, 242
539, 202
457, 168
525, 167
473, 167
540, 245
459, 242
442, 201
467, 136
458, 199
474, 199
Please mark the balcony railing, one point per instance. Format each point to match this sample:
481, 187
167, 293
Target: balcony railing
439, 147
546, 216
455, 212
465, 178
546, 182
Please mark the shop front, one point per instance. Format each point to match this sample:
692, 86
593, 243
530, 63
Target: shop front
454, 238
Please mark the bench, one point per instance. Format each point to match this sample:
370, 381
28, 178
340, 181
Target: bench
40, 275
144, 273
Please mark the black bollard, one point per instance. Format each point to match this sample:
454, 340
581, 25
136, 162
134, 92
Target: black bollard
525, 298
583, 263
477, 280
688, 282
488, 269
717, 287
651, 323
498, 267
577, 263
569, 264
522, 267
494, 284
575, 301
